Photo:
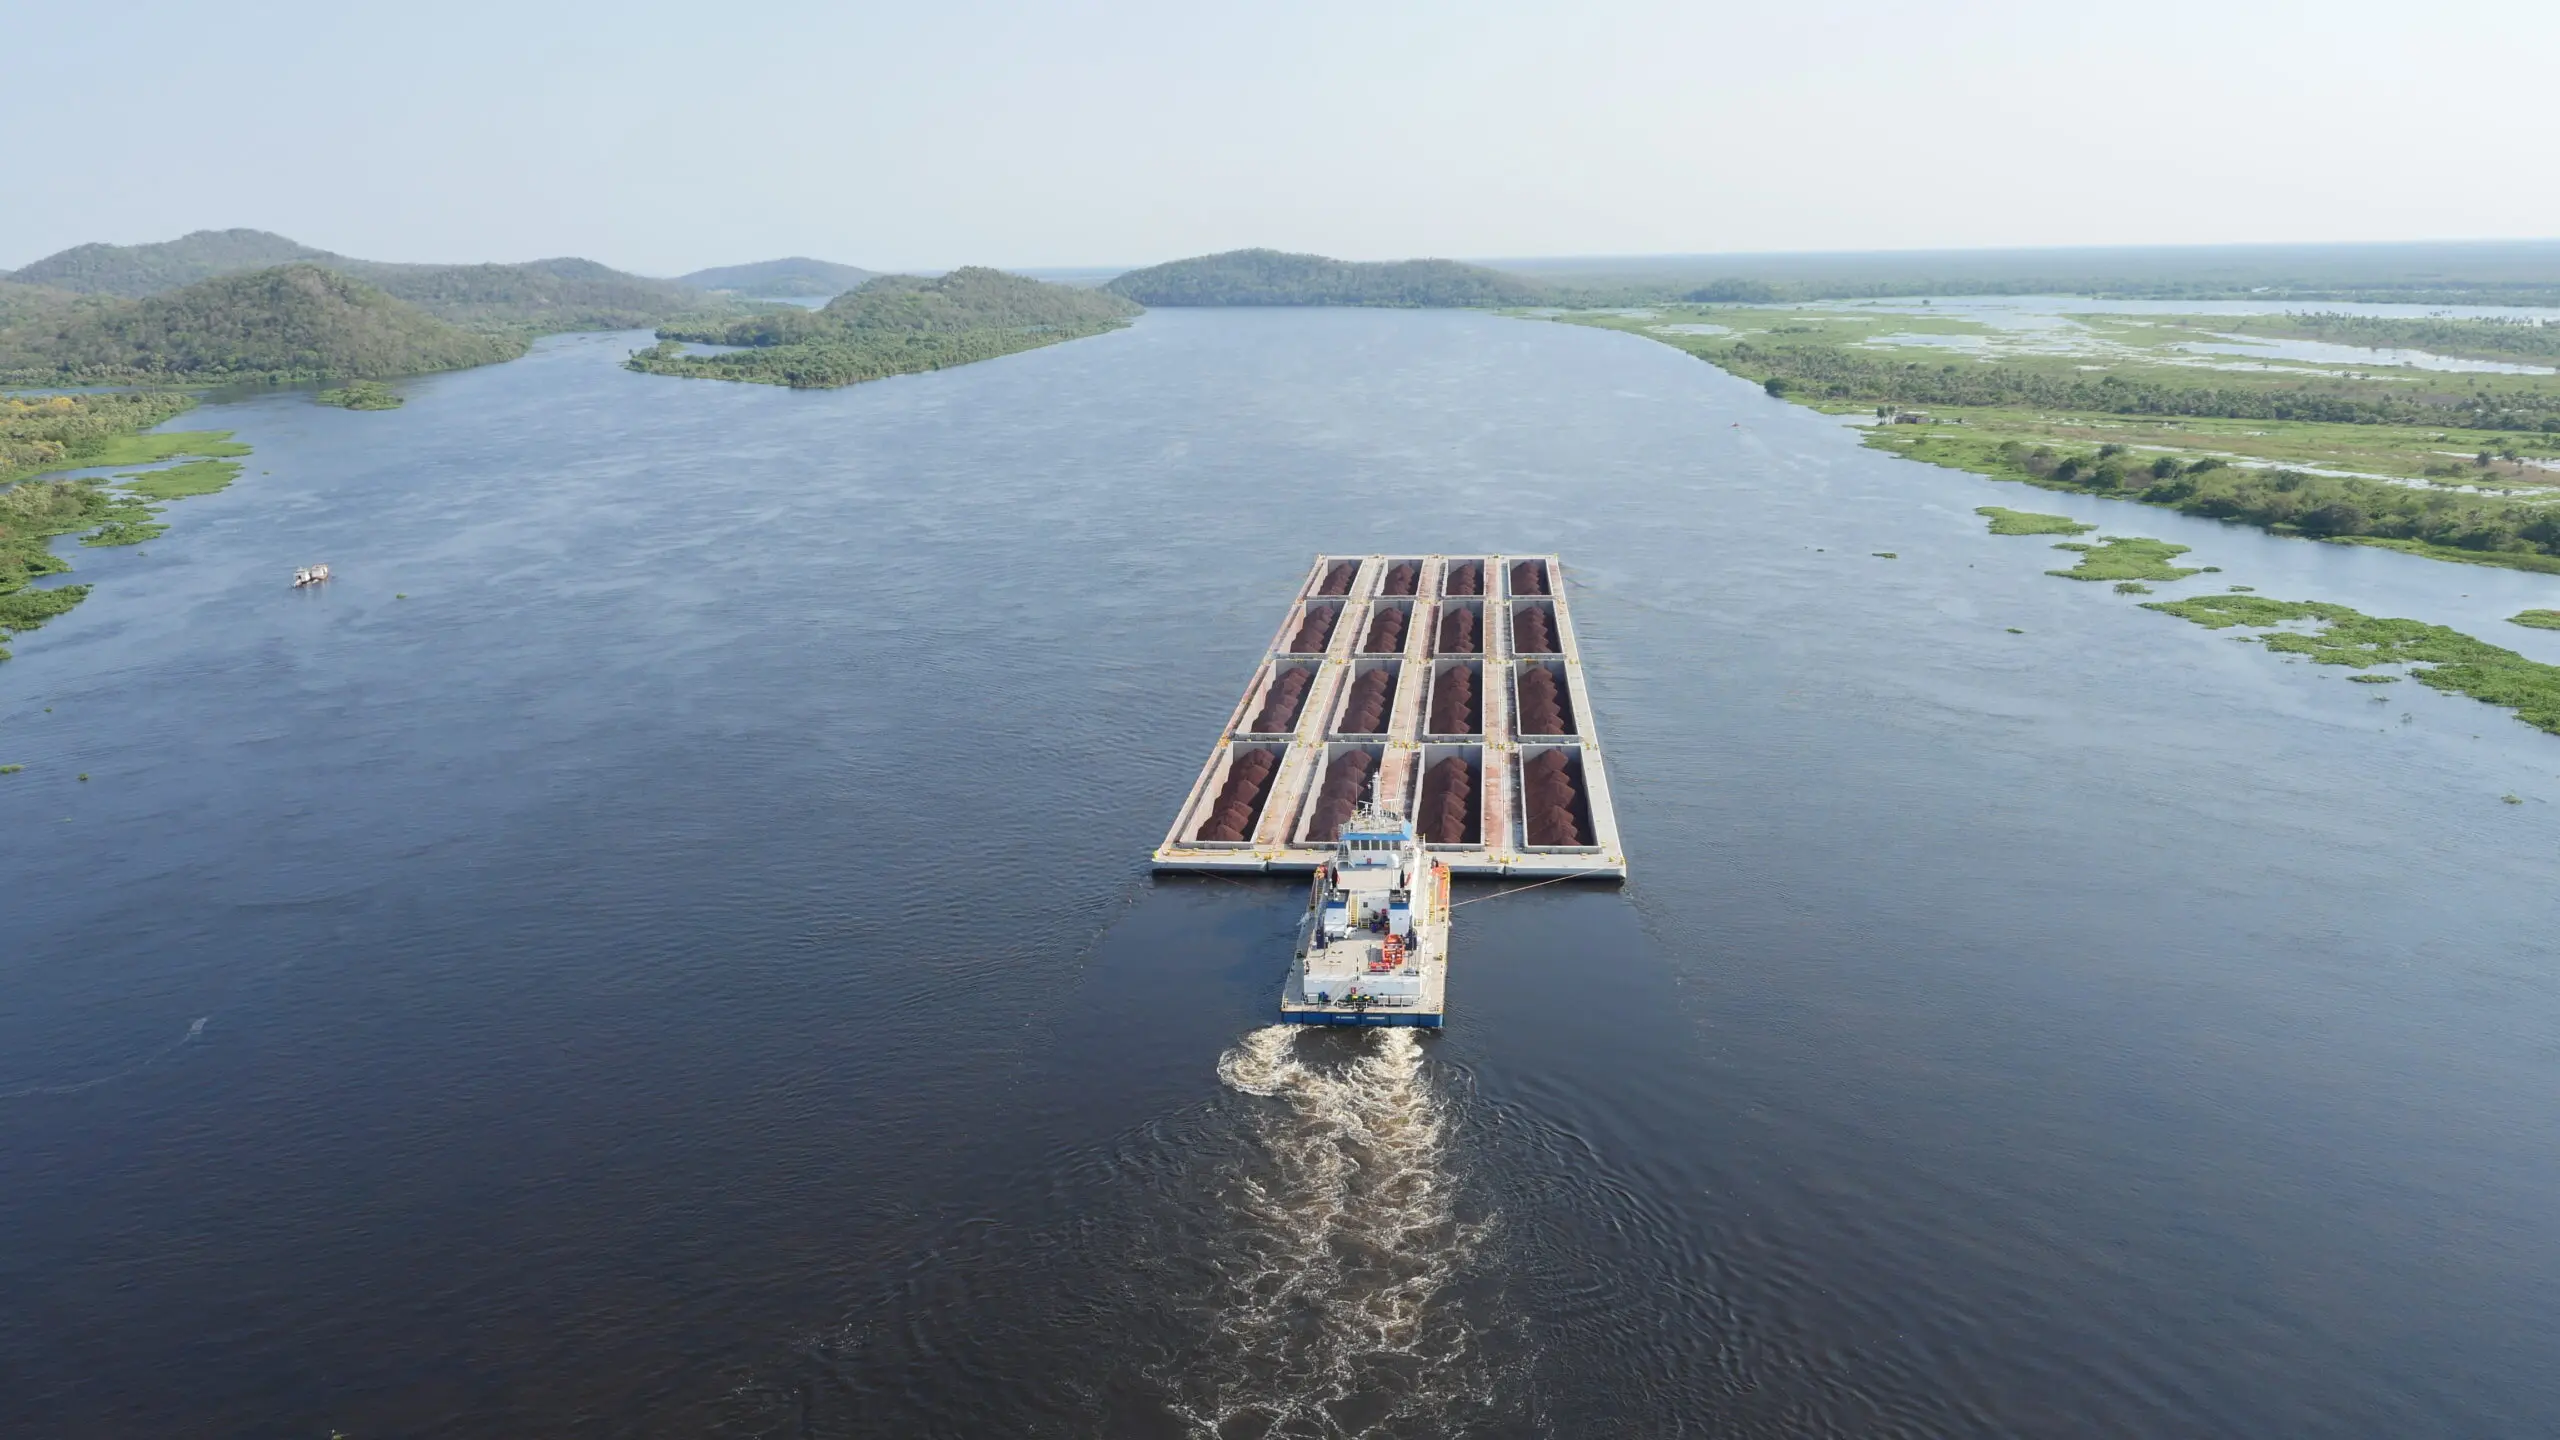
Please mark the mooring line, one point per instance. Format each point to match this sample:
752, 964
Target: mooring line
1498, 894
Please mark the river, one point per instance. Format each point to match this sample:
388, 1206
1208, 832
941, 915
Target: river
689, 968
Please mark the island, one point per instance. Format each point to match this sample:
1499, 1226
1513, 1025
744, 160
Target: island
891, 325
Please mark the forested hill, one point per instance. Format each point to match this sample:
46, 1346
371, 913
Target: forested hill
1271, 277
795, 276
291, 323
137, 270
893, 325
541, 296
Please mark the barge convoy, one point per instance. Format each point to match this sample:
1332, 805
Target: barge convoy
1416, 717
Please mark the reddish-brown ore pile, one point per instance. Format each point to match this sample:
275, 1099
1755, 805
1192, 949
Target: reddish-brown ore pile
1316, 630
1338, 577
1529, 577
1546, 708
1533, 630
1466, 577
1449, 808
1458, 631
1240, 802
1364, 710
1346, 782
1386, 630
1453, 703
1281, 703
1403, 578
1558, 812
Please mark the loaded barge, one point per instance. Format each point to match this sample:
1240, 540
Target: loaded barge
1417, 716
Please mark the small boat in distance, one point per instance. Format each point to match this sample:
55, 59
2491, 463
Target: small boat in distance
309, 575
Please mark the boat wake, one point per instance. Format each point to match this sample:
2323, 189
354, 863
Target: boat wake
195, 1032
1334, 1313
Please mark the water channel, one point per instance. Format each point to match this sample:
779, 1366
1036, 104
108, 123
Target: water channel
689, 966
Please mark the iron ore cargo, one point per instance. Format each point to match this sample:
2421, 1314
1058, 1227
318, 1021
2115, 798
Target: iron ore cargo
1446, 690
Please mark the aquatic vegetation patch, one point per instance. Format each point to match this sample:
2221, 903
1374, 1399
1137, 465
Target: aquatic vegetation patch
2125, 557
177, 482
2336, 635
2005, 521
360, 395
82, 435
2536, 619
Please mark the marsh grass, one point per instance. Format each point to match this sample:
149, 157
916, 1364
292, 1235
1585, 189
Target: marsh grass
2125, 557
2027, 522
2335, 635
33, 512
2536, 619
178, 482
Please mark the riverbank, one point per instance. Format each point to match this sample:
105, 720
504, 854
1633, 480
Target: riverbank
2459, 464
47, 435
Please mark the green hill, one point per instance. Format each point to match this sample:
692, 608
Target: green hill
295, 322
1270, 277
541, 296
796, 276
19, 302
544, 296
893, 325
137, 270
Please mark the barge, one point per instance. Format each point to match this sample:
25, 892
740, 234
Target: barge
1445, 692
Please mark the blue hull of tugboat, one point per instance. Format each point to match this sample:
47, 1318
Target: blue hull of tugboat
1408, 1019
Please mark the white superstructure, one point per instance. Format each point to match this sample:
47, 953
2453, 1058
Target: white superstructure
1373, 948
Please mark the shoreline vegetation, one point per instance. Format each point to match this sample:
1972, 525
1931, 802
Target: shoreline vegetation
360, 395
892, 325
43, 435
2180, 413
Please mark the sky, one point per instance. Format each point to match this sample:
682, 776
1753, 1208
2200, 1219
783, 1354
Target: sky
663, 138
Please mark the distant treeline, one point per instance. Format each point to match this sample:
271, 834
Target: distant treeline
1830, 373
2492, 339
1272, 277
1734, 290
2430, 273
892, 325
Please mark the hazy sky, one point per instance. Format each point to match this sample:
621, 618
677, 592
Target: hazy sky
662, 137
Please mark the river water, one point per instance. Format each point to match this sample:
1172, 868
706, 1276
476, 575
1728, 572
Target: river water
689, 968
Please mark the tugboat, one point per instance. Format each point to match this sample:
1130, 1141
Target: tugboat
309, 575
1373, 948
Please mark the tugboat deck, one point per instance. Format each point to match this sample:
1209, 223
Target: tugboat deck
1279, 825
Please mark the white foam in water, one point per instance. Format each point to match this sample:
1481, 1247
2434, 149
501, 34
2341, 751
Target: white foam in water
1331, 1319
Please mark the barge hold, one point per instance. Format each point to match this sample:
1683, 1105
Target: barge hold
1444, 693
